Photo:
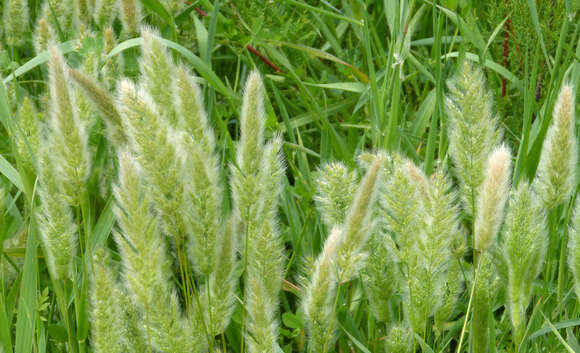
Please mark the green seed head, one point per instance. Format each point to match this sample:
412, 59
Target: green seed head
15, 21
556, 174
336, 187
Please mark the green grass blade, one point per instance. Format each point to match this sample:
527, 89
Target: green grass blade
557, 326
5, 115
103, 226
490, 64
202, 68
40, 59
560, 338
324, 12
26, 317
5, 335
536, 21
11, 173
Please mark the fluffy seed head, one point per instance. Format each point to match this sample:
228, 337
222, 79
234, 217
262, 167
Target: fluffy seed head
130, 16
15, 21
106, 11
320, 295
252, 123
336, 187
67, 139
42, 36
104, 103
556, 175
492, 198
107, 313
399, 340
418, 177
158, 72
473, 130
113, 67
358, 223
28, 138
524, 248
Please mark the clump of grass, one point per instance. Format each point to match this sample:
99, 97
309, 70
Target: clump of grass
183, 200
201, 267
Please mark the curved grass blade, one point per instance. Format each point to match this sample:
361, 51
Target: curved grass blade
202, 68
26, 317
40, 59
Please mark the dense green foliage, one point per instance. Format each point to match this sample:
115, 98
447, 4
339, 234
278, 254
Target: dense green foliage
294, 176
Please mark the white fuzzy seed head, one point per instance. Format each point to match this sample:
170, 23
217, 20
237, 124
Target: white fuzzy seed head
492, 198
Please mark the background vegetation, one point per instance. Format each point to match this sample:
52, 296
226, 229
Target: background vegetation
341, 76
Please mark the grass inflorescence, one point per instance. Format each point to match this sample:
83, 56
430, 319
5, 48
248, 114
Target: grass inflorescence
259, 176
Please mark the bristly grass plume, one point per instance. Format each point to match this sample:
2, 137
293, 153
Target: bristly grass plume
473, 131
556, 176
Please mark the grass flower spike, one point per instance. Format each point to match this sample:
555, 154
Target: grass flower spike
15, 21
380, 273
68, 138
256, 185
431, 256
64, 167
105, 104
402, 210
152, 140
56, 223
336, 187
473, 131
158, 72
42, 35
204, 192
491, 202
339, 262
105, 12
524, 247
107, 312
492, 198
556, 175
399, 340
146, 267
358, 223
112, 69
130, 16
320, 295
28, 142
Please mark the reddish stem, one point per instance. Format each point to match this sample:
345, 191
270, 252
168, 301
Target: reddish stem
264, 59
506, 50
200, 11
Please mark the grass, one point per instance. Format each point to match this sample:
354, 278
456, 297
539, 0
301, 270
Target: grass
341, 77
